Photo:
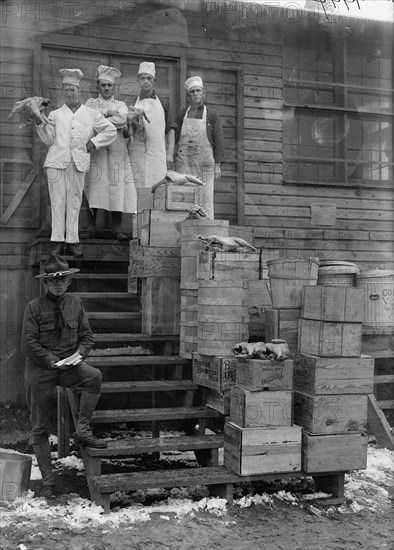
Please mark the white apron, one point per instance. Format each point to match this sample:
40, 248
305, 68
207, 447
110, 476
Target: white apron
109, 184
195, 156
148, 150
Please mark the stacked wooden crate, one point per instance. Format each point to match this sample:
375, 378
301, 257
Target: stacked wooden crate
332, 380
287, 279
260, 437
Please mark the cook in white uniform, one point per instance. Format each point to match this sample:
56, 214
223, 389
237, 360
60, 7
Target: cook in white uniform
74, 132
200, 142
109, 184
148, 153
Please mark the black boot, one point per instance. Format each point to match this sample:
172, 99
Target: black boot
43, 454
83, 433
116, 225
56, 247
89, 233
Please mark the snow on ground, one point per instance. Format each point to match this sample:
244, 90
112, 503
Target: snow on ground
365, 489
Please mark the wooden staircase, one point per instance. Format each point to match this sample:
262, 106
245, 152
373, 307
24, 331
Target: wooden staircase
156, 389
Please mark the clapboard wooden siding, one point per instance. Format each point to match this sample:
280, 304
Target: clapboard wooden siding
241, 61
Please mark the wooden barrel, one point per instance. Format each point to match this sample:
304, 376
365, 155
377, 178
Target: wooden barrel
287, 279
378, 285
337, 273
191, 246
227, 266
188, 323
222, 316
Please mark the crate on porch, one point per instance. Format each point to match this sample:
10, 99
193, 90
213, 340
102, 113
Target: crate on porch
160, 227
329, 339
333, 303
333, 375
334, 453
217, 373
329, 414
176, 197
216, 399
264, 374
261, 450
260, 408
160, 306
282, 324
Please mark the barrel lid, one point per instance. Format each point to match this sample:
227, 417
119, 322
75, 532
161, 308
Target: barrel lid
338, 269
372, 273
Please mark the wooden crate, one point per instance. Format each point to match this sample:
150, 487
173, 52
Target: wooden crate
218, 400
160, 228
260, 408
334, 453
283, 324
249, 451
329, 339
176, 197
154, 261
330, 414
263, 374
227, 266
144, 199
217, 373
160, 306
333, 303
331, 376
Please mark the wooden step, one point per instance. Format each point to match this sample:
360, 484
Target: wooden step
152, 415
134, 315
105, 295
123, 276
137, 360
129, 337
157, 444
146, 386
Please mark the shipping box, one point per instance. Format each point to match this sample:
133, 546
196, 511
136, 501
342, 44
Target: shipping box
160, 227
263, 374
217, 373
333, 303
260, 408
333, 375
283, 324
330, 414
334, 453
329, 339
218, 400
176, 197
252, 451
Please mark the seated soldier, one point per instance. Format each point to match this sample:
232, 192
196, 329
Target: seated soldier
55, 327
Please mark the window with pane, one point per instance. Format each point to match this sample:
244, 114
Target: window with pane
338, 117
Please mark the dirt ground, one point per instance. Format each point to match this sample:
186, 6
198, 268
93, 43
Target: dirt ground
266, 516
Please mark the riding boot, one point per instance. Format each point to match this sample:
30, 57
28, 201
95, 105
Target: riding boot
83, 433
116, 219
43, 454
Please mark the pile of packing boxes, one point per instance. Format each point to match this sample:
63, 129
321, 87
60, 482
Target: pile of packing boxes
332, 380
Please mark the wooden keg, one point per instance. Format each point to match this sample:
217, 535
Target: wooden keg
222, 316
191, 245
287, 279
337, 273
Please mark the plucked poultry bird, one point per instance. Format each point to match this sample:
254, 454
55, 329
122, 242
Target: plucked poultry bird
277, 350
135, 121
196, 212
224, 244
177, 179
30, 108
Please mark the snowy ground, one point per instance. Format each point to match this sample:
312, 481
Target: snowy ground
187, 518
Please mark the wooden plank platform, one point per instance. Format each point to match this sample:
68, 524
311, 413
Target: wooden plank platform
137, 360
219, 476
152, 415
126, 447
114, 315
132, 337
146, 386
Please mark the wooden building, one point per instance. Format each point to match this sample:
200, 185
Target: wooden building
306, 102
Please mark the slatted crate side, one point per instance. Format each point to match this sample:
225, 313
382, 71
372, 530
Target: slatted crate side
283, 324
161, 228
160, 306
333, 303
331, 414
329, 339
262, 450
261, 408
154, 261
176, 197
216, 399
259, 374
331, 376
334, 453
218, 373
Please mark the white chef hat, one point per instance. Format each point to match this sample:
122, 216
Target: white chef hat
193, 81
107, 73
147, 67
71, 76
